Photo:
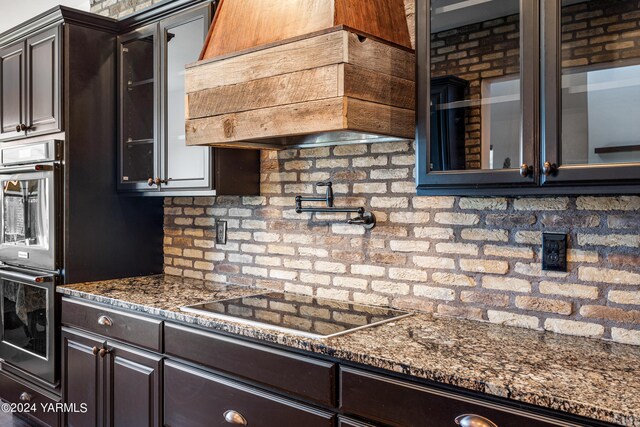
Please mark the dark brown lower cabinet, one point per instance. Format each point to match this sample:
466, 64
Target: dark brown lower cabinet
81, 379
197, 398
398, 403
111, 384
347, 422
18, 391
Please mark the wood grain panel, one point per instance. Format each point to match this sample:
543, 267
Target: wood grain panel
291, 88
317, 51
370, 117
376, 87
385, 19
296, 119
381, 57
240, 25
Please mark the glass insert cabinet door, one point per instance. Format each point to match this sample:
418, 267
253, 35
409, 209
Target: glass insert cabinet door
528, 97
476, 66
592, 71
138, 98
182, 37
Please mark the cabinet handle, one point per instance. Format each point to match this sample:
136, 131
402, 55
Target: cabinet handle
472, 420
22, 127
236, 418
159, 181
549, 168
95, 350
104, 351
525, 170
25, 397
105, 321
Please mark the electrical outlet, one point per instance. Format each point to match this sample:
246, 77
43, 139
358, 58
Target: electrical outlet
221, 232
554, 251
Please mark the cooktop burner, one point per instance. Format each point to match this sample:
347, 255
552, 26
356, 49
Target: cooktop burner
297, 314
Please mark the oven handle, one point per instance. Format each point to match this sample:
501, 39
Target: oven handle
23, 169
25, 277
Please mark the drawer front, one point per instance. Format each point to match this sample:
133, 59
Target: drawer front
137, 330
12, 389
347, 422
399, 403
198, 399
301, 376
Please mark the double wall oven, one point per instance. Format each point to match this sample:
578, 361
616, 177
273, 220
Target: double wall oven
30, 264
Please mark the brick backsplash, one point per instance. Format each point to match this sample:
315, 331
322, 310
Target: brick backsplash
477, 258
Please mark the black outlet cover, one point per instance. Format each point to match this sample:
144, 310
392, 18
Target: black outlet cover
554, 251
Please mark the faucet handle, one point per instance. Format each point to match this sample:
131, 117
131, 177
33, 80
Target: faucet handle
324, 184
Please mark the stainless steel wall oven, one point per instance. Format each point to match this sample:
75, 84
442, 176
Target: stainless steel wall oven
30, 197
30, 232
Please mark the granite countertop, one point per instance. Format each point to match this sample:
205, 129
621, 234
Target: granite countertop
585, 377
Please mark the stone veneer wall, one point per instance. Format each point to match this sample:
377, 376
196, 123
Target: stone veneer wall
468, 257
460, 256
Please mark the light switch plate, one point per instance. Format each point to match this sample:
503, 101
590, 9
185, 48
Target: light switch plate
221, 232
554, 251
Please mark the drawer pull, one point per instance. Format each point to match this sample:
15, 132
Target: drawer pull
235, 418
105, 321
472, 420
25, 397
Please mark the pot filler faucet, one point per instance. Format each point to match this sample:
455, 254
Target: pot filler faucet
366, 219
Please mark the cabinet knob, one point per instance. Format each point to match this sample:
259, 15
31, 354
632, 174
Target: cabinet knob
235, 418
525, 170
549, 168
95, 350
472, 420
157, 181
25, 397
22, 127
104, 351
105, 321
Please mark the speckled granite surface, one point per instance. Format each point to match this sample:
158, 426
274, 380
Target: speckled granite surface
585, 377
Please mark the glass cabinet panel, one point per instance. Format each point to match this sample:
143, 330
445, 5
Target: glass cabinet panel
600, 82
184, 38
475, 105
138, 131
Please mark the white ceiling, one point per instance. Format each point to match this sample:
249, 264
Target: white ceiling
14, 12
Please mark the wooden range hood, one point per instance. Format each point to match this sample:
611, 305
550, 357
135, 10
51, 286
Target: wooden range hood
299, 73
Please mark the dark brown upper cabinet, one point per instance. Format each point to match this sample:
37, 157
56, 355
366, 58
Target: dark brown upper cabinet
154, 158
30, 85
527, 97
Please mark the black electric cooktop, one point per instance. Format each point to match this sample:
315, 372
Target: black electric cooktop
297, 314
